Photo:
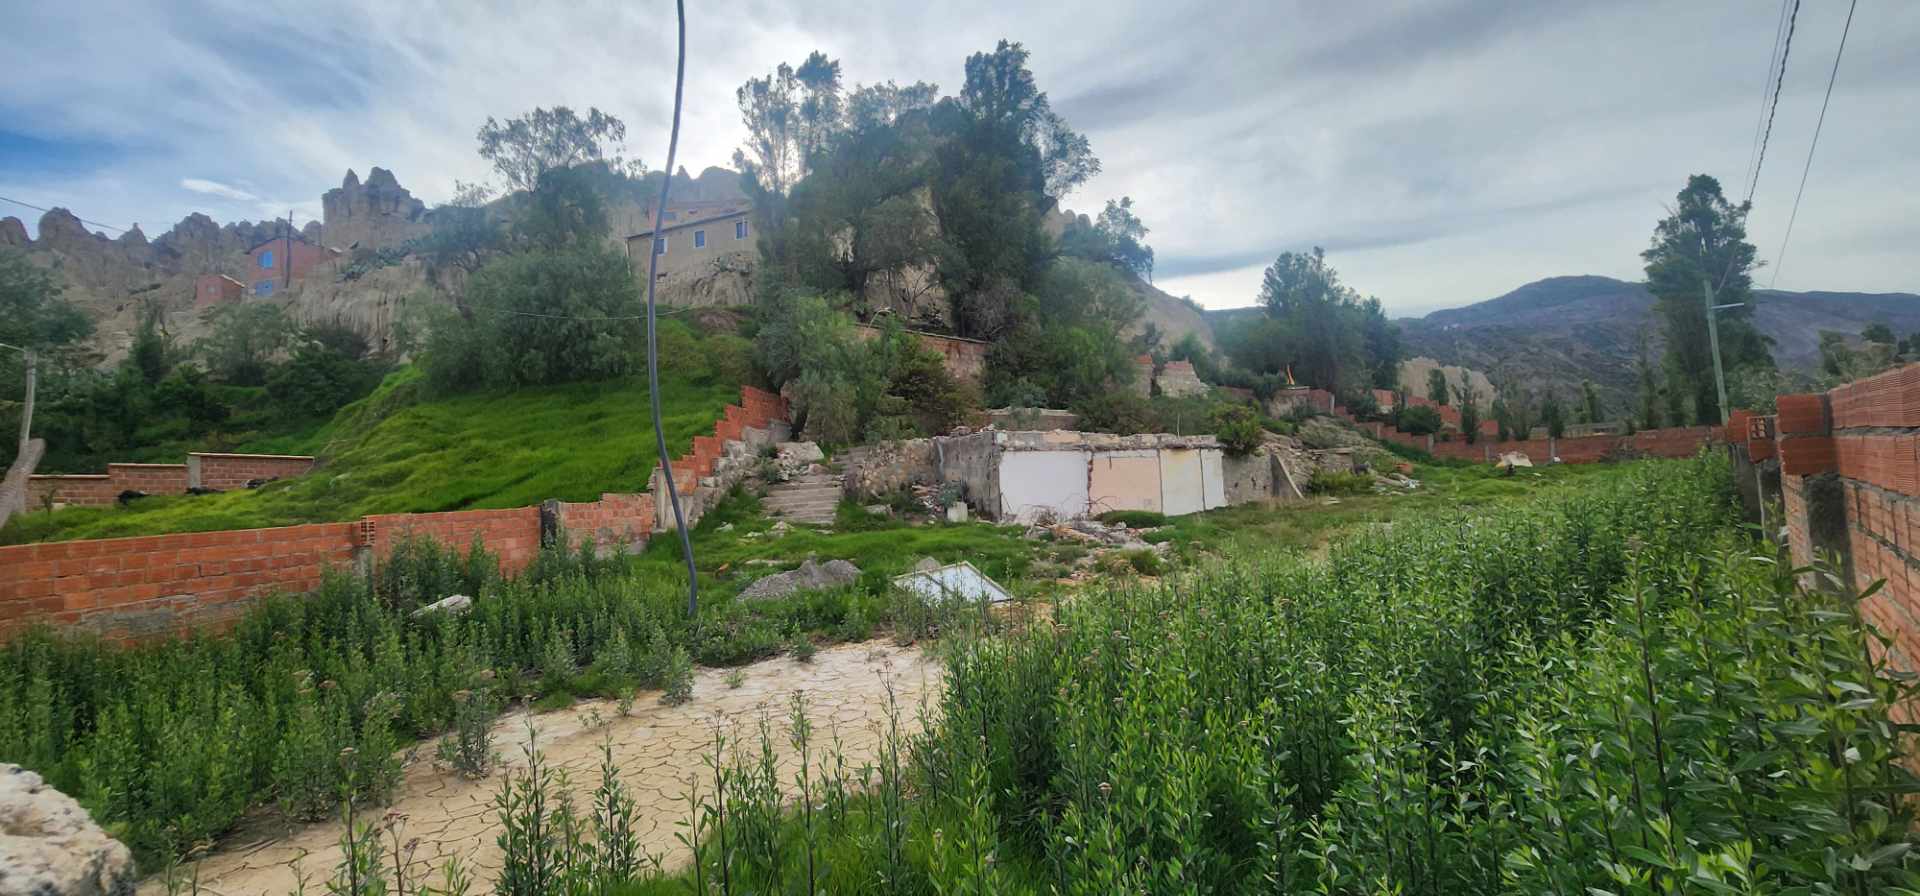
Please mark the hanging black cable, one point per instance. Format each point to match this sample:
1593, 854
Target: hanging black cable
653, 345
1781, 258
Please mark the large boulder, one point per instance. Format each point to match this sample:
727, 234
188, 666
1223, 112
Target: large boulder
49, 846
810, 576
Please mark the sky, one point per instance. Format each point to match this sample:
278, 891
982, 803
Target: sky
1442, 152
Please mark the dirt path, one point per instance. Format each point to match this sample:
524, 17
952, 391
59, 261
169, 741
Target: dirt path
656, 747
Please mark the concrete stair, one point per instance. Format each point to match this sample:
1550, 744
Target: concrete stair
811, 498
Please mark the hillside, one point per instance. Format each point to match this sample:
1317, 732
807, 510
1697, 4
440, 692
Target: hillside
397, 451
1561, 330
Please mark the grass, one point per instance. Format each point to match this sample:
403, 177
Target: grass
397, 452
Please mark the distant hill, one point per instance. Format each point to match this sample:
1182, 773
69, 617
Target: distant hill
1561, 330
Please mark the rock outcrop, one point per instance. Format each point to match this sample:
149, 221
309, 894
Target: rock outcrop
378, 214
13, 232
49, 846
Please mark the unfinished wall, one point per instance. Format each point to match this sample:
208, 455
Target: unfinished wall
1036, 485
225, 472
1124, 480
133, 588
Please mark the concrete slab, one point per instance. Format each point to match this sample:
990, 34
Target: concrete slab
1182, 482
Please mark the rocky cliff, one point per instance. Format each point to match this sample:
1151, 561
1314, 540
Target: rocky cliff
378, 214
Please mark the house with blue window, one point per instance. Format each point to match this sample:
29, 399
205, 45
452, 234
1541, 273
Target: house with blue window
274, 265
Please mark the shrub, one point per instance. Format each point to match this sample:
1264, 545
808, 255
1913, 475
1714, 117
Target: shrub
1145, 562
1328, 482
1238, 430
539, 317
1134, 519
1419, 420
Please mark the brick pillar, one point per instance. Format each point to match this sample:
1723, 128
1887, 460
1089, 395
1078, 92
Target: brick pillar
1806, 449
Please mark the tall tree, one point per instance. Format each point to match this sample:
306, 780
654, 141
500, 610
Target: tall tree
1703, 240
1590, 404
1304, 293
1118, 236
1649, 387
521, 149
1469, 400
1437, 389
791, 115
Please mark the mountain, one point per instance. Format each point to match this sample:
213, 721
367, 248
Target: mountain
1562, 330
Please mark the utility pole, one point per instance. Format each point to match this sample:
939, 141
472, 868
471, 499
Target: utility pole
26, 411
1713, 341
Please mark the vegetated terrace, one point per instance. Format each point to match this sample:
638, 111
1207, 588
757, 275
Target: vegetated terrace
1608, 686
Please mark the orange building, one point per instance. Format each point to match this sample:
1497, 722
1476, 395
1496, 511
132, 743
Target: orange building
274, 264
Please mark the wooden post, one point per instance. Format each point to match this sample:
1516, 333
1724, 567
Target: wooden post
26, 410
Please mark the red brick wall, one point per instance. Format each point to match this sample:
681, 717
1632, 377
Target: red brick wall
1865, 438
512, 535
215, 289
301, 254
101, 490
87, 490
231, 471
129, 588
613, 523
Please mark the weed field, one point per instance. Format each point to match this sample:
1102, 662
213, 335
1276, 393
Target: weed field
1612, 692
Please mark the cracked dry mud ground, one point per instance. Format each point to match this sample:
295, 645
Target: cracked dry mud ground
657, 748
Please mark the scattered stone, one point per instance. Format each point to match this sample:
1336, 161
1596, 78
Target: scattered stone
725, 527
451, 605
878, 510
1511, 459
49, 846
810, 576
925, 564
956, 512
779, 528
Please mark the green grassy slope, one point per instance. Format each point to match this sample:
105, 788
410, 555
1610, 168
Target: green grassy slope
395, 451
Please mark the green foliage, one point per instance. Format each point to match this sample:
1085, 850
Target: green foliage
1317, 328
847, 388
1134, 519
1417, 419
522, 149
397, 451
1704, 240
1238, 429
563, 211
1117, 237
536, 319
242, 339
1065, 348
1328, 482
321, 377
1553, 414
1437, 390
32, 313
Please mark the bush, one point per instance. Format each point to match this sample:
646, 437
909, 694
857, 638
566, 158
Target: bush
1326, 482
539, 317
1134, 519
1238, 429
318, 380
1419, 420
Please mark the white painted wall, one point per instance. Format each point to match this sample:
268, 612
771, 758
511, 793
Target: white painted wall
1182, 488
1213, 478
1043, 483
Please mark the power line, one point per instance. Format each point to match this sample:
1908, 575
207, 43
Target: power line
1786, 49
81, 220
1831, 76
1766, 91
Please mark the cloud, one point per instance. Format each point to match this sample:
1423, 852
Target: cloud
215, 188
1443, 152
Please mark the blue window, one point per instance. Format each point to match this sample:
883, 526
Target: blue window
266, 259
739, 230
660, 245
699, 239
263, 288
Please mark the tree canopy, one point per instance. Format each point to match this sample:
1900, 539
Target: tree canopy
523, 148
1703, 240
